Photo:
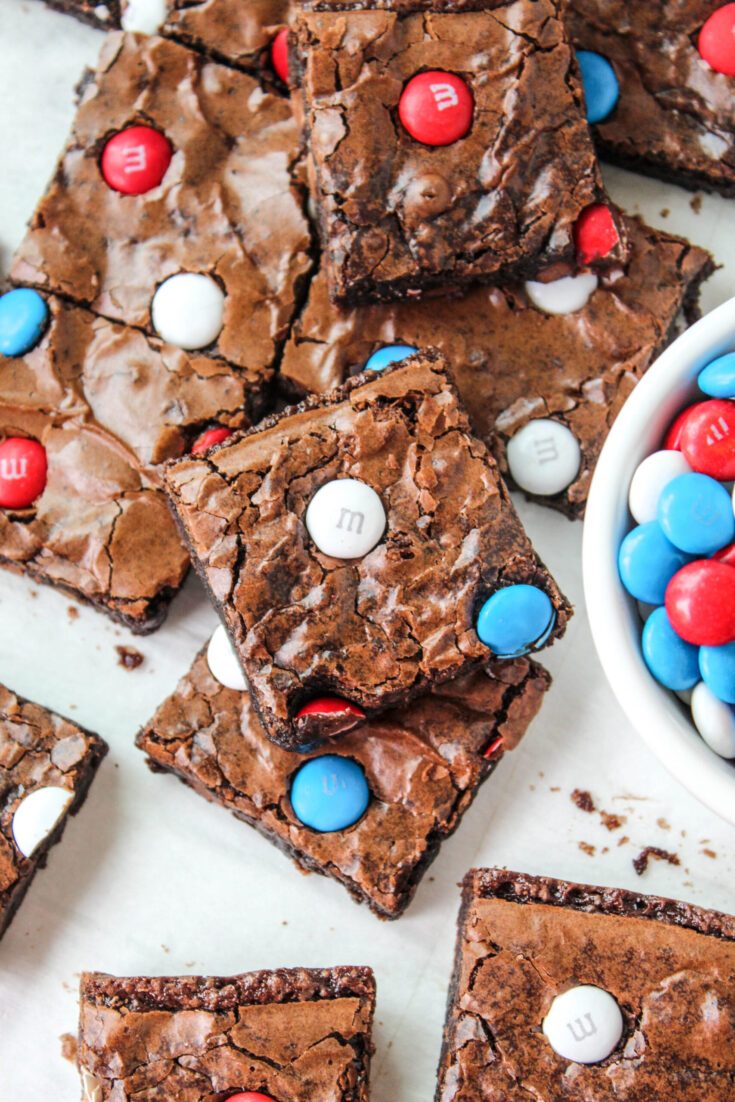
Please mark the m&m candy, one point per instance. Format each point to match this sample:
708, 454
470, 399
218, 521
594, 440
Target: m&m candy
23, 318
209, 438
436, 108
329, 793
601, 89
23, 470
188, 310
136, 160
648, 561
707, 439
515, 620
279, 54
700, 601
695, 513
717, 40
389, 354
671, 661
595, 233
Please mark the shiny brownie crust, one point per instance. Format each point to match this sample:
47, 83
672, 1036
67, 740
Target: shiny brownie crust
424, 765
301, 1034
523, 939
397, 216
382, 629
37, 748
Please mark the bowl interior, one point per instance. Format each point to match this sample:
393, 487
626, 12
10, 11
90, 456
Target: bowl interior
669, 385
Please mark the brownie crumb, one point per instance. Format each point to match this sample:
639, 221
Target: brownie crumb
587, 848
696, 203
72, 612
69, 1047
556, 788
612, 822
640, 863
709, 853
583, 800
624, 840
129, 657
665, 212
663, 824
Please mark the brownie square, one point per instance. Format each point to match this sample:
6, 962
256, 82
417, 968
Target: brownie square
380, 629
675, 116
42, 757
228, 207
106, 403
398, 216
296, 1033
524, 940
442, 747
512, 362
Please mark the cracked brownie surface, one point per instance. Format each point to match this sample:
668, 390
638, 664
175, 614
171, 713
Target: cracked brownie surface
99, 13
511, 362
228, 207
675, 117
298, 1034
525, 939
381, 629
37, 749
398, 216
424, 765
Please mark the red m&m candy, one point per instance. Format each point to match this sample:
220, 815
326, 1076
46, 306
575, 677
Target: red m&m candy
209, 438
717, 40
329, 706
249, 1096
707, 438
700, 603
595, 233
136, 160
436, 108
279, 54
672, 440
22, 472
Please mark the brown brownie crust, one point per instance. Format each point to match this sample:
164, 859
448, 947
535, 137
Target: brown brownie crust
377, 630
37, 749
301, 1034
512, 362
523, 940
424, 765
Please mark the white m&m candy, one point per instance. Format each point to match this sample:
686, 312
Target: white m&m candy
224, 665
544, 457
345, 518
143, 16
714, 719
37, 815
584, 1024
649, 479
562, 296
188, 310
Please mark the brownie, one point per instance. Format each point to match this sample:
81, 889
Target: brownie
98, 13
229, 206
525, 940
39, 750
398, 216
424, 765
381, 628
295, 1033
675, 116
512, 362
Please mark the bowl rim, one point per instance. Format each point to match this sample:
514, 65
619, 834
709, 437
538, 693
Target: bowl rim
659, 718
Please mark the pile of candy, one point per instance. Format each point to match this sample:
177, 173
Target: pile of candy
679, 562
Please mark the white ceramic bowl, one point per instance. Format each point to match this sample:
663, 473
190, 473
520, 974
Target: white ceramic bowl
662, 721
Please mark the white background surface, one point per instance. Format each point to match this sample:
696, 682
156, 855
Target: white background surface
149, 878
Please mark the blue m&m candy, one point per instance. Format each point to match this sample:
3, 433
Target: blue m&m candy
329, 793
23, 316
718, 378
515, 620
601, 90
647, 562
672, 662
718, 670
391, 354
696, 514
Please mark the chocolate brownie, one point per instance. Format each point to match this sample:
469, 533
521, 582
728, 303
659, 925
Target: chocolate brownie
46, 767
235, 32
98, 13
371, 594
398, 215
228, 207
511, 361
296, 1033
424, 765
526, 941
675, 116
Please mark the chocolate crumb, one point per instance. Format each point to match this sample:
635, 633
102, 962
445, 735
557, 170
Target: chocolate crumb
69, 1047
556, 788
640, 863
72, 612
129, 657
665, 212
709, 853
663, 824
623, 840
612, 822
587, 848
583, 800
696, 203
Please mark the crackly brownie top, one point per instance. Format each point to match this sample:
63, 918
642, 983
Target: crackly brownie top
299, 1034
523, 940
512, 362
396, 211
226, 208
379, 628
38, 749
154, 398
673, 107
423, 764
